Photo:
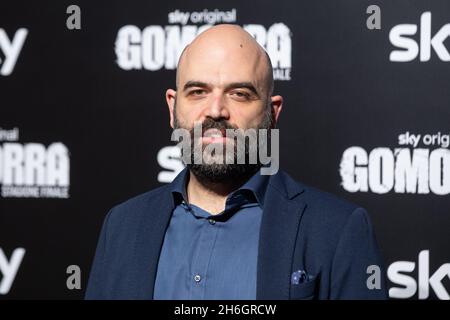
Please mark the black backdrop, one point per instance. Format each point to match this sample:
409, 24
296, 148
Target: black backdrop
86, 131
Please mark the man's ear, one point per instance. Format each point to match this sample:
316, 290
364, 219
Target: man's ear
170, 99
277, 105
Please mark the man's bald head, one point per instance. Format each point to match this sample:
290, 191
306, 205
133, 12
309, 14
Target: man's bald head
223, 44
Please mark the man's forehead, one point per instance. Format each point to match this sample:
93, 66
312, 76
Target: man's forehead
220, 73
223, 58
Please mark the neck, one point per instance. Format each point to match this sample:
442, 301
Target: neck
210, 196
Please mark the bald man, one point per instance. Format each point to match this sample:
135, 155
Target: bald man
223, 229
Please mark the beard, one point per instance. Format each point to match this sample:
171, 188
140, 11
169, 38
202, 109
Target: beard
217, 168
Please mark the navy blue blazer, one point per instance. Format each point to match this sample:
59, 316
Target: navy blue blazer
302, 228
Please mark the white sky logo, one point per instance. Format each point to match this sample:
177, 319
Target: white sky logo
169, 158
399, 38
409, 286
9, 268
10, 50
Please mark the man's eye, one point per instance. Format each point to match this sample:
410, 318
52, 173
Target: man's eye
241, 94
197, 92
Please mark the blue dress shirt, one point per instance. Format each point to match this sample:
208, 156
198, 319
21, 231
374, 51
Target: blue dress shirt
208, 256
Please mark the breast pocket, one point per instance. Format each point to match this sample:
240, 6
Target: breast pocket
306, 290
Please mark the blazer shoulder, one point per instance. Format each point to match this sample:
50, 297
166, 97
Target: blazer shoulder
322, 203
329, 200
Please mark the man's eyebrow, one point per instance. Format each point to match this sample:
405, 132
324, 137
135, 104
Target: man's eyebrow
246, 85
233, 85
191, 84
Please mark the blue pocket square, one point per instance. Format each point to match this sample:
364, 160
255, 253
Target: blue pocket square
300, 276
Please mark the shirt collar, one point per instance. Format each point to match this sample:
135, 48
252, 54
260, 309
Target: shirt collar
178, 186
256, 186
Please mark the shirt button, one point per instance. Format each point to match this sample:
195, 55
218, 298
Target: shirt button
197, 278
212, 221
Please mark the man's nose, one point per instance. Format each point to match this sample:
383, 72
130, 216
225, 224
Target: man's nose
217, 108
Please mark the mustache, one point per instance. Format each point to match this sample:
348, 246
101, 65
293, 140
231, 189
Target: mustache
220, 125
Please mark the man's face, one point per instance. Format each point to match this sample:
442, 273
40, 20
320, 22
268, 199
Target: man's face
222, 86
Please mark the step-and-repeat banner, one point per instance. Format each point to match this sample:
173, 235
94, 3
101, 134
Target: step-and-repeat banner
84, 124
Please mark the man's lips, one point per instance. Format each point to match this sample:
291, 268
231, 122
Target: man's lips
214, 139
213, 132
214, 136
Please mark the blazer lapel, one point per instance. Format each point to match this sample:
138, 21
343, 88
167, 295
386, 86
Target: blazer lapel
279, 228
154, 222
